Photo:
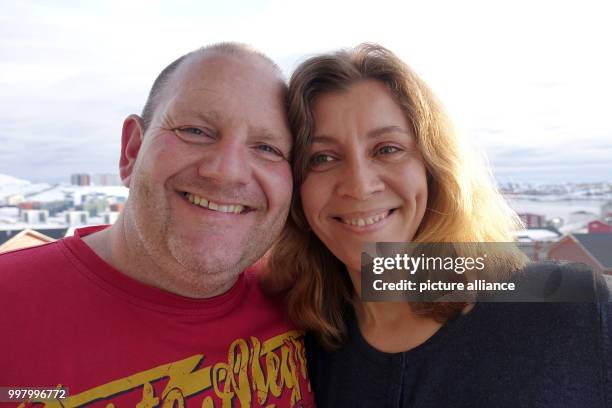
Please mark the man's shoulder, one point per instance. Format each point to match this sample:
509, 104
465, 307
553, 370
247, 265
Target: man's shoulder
27, 257
28, 267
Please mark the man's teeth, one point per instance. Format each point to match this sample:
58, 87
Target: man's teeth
362, 222
202, 202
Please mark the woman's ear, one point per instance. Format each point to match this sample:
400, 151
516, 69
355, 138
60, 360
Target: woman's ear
132, 136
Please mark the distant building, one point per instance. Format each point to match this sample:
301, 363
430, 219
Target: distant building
76, 218
117, 207
106, 180
35, 216
14, 199
11, 240
594, 250
94, 204
533, 220
80, 179
555, 222
55, 207
536, 242
582, 217
598, 227
29, 205
606, 210
110, 217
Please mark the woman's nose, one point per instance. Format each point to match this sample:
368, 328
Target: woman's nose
360, 180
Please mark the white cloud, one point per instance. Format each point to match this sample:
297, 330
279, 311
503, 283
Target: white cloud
517, 74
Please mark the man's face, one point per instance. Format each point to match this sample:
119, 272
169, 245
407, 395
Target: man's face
211, 185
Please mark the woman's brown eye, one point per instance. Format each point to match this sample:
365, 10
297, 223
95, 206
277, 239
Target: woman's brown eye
321, 158
388, 149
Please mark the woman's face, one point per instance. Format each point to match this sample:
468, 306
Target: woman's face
367, 180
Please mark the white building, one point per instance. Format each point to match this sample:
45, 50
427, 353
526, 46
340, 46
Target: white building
76, 218
106, 180
110, 217
606, 209
35, 216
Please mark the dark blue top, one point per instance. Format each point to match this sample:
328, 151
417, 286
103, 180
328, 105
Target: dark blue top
498, 355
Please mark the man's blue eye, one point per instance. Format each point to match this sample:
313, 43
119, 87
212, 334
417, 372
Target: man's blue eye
195, 131
269, 149
192, 134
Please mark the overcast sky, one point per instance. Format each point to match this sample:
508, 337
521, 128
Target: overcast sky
529, 81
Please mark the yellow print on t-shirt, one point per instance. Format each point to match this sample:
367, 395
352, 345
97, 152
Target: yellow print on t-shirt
252, 374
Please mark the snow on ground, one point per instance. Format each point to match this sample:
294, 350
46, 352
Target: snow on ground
10, 185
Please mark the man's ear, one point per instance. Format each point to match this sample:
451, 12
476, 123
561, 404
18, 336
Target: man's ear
131, 140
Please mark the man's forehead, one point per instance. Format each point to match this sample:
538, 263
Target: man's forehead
205, 76
209, 67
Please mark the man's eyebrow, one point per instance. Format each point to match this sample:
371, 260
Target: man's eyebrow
324, 139
209, 116
264, 134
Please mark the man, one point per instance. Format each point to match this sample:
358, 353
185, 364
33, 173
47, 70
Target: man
157, 309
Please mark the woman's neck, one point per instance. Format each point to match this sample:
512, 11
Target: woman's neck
391, 327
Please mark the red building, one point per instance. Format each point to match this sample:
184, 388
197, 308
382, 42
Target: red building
598, 227
533, 220
594, 250
29, 205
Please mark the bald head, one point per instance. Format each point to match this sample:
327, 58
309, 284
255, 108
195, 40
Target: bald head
165, 77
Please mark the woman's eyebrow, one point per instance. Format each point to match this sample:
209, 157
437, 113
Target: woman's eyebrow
388, 129
324, 139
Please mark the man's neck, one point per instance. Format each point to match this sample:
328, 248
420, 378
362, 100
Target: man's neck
121, 247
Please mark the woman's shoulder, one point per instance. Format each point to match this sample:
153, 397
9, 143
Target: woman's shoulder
570, 281
555, 282
552, 300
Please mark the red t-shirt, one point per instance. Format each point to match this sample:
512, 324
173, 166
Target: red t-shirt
68, 318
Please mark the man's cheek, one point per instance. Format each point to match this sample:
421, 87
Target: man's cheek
278, 184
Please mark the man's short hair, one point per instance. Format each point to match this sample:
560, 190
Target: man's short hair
229, 48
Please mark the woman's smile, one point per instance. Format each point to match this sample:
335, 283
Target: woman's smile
364, 218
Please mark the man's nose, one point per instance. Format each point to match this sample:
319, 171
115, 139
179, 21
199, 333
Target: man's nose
228, 162
360, 179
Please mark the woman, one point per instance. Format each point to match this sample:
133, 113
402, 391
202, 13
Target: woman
376, 160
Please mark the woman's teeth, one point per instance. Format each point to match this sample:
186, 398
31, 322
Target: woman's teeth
211, 205
362, 222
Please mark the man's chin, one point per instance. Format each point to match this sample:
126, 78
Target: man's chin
203, 260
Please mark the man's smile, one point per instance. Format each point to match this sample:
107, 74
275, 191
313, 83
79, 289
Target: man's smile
214, 206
